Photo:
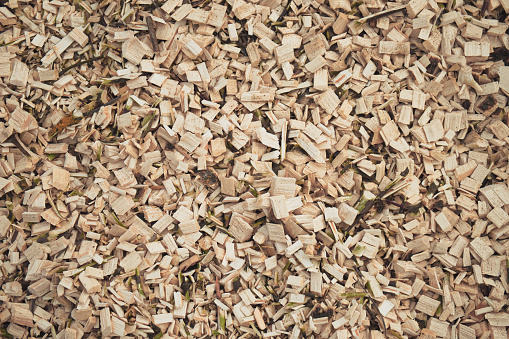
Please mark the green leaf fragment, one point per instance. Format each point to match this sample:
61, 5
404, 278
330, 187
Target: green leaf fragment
358, 250
117, 220
146, 121
54, 206
354, 295
99, 153
222, 322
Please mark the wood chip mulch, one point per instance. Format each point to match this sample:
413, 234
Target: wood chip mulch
254, 169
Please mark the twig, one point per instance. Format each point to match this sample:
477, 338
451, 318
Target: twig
21, 146
484, 8
361, 282
67, 69
111, 102
71, 119
285, 11
392, 203
380, 14
152, 33
218, 289
10, 91
370, 203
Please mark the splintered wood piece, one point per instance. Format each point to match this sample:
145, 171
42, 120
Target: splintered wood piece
340, 24
427, 305
240, 229
22, 316
310, 149
434, 131
481, 248
283, 186
40, 287
498, 217
276, 233
163, 318
105, 321
328, 100
130, 261
497, 319
303, 259
279, 208
91, 285
392, 47
123, 204
21, 121
79, 36
315, 285
61, 178
347, 213
19, 74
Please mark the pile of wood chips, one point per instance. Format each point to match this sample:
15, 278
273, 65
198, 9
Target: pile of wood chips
254, 168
